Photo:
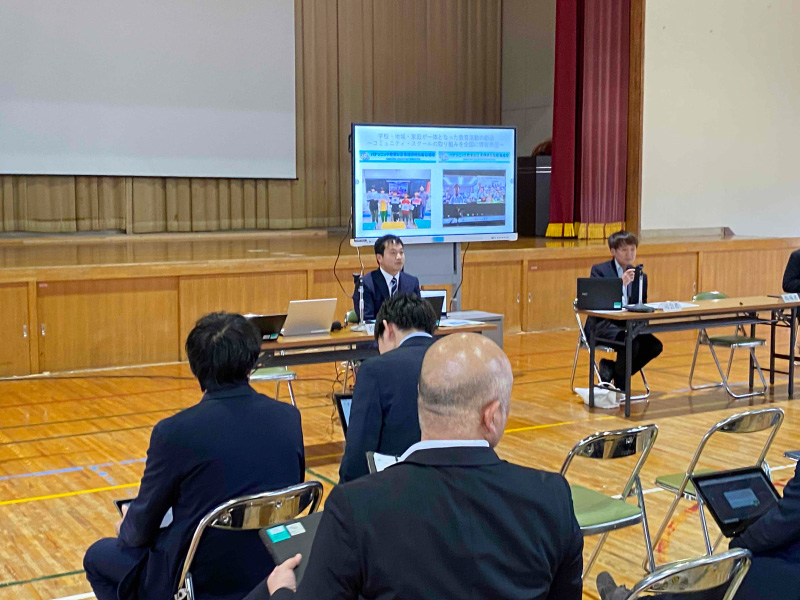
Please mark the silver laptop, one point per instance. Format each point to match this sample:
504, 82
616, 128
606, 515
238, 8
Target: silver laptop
309, 317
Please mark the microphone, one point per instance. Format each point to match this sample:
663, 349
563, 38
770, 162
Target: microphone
336, 326
639, 306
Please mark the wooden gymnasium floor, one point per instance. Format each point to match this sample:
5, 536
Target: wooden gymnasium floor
70, 444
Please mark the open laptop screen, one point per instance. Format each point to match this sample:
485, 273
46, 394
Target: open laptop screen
737, 497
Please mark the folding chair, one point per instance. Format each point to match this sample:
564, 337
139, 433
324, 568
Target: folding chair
276, 374
598, 513
718, 576
583, 343
247, 513
680, 483
739, 339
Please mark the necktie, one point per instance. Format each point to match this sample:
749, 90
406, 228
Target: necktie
393, 287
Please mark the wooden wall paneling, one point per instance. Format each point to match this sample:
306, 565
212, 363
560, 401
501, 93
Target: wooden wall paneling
33, 328
264, 293
670, 276
495, 287
356, 49
633, 195
321, 113
15, 350
323, 285
552, 287
104, 323
743, 272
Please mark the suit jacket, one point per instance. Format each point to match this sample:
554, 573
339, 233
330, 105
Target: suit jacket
376, 291
791, 277
777, 532
606, 328
446, 523
383, 416
234, 442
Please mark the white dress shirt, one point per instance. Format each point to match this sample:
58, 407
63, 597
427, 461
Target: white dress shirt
412, 335
430, 444
621, 272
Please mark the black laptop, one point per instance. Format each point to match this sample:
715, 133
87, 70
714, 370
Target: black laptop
737, 497
269, 325
437, 304
599, 293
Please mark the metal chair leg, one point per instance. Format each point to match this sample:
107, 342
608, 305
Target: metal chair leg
694, 362
277, 389
575, 364
651, 559
664, 523
706, 538
726, 384
590, 563
291, 393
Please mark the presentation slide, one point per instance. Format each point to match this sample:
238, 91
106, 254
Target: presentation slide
433, 184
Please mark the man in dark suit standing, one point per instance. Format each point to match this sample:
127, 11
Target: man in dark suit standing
791, 277
451, 520
234, 442
646, 347
383, 416
774, 541
388, 279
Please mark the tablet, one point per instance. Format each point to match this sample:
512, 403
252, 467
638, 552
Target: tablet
292, 537
737, 497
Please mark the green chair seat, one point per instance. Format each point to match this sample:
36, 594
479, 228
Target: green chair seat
728, 341
273, 374
598, 513
672, 482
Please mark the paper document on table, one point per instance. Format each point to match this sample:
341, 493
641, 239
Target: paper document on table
667, 306
458, 322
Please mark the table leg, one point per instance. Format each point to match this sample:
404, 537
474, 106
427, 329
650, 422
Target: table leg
772, 331
591, 372
752, 362
793, 344
628, 366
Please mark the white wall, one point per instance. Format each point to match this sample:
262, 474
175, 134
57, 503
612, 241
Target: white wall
529, 37
722, 116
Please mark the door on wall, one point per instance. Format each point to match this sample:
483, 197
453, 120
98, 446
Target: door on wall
15, 349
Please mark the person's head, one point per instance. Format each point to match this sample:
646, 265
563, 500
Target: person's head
399, 316
416, 194
390, 254
623, 245
222, 348
422, 188
464, 389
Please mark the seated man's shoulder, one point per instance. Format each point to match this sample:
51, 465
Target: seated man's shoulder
537, 480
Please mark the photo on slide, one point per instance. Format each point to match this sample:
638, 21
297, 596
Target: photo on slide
473, 198
396, 199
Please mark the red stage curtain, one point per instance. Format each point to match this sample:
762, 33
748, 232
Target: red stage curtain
587, 197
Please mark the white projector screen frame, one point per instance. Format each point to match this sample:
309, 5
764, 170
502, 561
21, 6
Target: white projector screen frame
180, 88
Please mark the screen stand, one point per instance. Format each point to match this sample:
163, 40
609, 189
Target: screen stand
436, 264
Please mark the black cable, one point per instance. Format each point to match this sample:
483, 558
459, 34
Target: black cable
455, 294
339, 253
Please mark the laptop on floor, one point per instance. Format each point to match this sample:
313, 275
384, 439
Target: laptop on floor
737, 497
599, 293
309, 317
269, 325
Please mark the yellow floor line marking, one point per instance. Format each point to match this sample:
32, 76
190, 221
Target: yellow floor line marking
547, 425
67, 494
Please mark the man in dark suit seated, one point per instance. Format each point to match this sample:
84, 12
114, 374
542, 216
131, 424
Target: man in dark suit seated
774, 540
234, 442
646, 347
383, 416
791, 277
451, 520
388, 279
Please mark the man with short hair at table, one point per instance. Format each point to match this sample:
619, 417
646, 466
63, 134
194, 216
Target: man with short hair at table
234, 442
646, 346
388, 279
791, 276
383, 415
451, 520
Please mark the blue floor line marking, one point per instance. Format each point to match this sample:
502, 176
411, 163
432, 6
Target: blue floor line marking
73, 470
41, 473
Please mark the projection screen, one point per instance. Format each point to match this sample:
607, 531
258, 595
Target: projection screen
184, 88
